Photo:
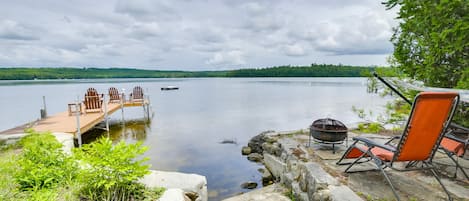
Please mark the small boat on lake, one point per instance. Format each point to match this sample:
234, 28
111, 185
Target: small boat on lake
169, 88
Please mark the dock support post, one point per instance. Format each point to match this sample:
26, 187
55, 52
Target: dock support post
77, 114
122, 106
148, 103
106, 118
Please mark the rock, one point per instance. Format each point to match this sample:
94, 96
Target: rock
323, 195
273, 192
266, 178
274, 165
186, 182
192, 195
299, 195
261, 170
249, 185
343, 193
270, 139
246, 150
256, 143
255, 157
173, 194
273, 149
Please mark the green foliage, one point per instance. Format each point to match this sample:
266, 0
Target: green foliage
431, 43
8, 167
372, 127
43, 163
111, 171
315, 70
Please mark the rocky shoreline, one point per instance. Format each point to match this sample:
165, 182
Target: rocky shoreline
286, 163
306, 172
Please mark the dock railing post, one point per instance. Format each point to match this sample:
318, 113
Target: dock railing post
106, 114
77, 114
44, 106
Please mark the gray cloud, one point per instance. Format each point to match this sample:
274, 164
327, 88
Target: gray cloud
12, 30
189, 34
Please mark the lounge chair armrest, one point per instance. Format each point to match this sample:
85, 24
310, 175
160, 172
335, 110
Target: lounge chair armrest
371, 143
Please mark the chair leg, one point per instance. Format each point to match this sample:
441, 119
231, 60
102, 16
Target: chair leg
457, 166
379, 164
344, 155
432, 169
339, 162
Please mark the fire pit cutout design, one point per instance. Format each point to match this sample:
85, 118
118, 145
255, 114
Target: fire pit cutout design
328, 131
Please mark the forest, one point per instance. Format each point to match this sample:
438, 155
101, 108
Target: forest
315, 70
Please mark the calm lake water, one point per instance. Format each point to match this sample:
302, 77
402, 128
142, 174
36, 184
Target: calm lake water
189, 123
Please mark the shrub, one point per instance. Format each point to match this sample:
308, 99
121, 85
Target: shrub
111, 172
43, 163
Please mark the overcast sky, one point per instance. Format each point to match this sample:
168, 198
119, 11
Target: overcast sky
193, 34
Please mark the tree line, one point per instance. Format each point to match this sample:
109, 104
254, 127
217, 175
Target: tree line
315, 70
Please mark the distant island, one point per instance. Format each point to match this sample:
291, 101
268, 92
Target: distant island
315, 70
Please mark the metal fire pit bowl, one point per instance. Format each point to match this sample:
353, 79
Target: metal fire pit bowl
328, 131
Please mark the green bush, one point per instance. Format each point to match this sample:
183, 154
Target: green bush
111, 172
43, 163
370, 127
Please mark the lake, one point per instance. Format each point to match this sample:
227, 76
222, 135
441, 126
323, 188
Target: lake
189, 124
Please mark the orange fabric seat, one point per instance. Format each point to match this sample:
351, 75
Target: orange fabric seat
453, 146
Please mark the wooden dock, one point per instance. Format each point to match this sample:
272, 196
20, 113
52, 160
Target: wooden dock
65, 123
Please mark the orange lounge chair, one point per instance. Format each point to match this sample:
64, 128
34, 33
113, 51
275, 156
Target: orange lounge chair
137, 94
431, 114
93, 101
114, 95
451, 144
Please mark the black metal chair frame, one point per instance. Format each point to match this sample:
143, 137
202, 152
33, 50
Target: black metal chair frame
382, 164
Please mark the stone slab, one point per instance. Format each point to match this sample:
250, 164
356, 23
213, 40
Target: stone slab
343, 193
173, 194
273, 192
186, 182
275, 165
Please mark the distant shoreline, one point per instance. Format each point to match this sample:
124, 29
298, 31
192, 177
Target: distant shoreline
319, 70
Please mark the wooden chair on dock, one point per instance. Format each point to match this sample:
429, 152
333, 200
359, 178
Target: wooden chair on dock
114, 95
93, 101
137, 94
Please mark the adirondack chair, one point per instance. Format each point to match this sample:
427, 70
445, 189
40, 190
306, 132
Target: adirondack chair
137, 94
114, 95
93, 101
429, 119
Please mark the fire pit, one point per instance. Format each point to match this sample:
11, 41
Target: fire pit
328, 131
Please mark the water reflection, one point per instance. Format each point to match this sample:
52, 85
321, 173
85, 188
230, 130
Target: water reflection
131, 131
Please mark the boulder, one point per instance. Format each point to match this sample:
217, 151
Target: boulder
274, 165
187, 182
249, 185
266, 178
246, 150
256, 143
255, 157
173, 194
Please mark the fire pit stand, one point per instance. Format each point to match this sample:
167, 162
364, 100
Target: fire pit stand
328, 131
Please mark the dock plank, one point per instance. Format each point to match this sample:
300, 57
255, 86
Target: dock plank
62, 122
